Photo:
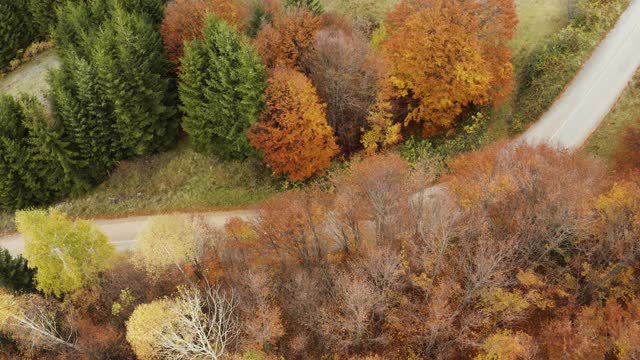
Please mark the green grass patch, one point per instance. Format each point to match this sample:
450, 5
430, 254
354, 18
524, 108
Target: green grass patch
607, 139
549, 50
551, 66
180, 179
31, 77
538, 21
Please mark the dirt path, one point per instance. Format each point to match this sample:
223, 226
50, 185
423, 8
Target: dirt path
31, 77
595, 90
122, 232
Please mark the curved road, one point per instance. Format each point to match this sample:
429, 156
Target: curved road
569, 122
595, 90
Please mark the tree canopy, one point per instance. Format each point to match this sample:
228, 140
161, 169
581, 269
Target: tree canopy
68, 254
448, 55
293, 134
221, 87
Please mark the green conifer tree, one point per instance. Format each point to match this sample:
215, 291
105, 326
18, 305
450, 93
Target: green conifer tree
43, 13
36, 165
16, 29
88, 118
112, 93
15, 273
153, 9
221, 87
133, 71
259, 17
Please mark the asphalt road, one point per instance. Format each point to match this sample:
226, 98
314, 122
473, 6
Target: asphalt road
595, 90
122, 232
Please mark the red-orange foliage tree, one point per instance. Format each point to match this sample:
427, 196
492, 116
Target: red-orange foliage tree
293, 133
448, 54
184, 19
288, 38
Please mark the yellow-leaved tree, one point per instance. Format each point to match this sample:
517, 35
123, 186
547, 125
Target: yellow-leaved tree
447, 55
68, 254
166, 240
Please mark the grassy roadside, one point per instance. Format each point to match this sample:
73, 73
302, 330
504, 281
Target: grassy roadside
544, 71
607, 139
180, 179
538, 20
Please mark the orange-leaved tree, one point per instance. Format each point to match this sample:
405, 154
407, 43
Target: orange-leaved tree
293, 133
446, 55
184, 19
288, 38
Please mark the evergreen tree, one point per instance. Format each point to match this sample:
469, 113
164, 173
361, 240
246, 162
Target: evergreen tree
77, 98
36, 166
112, 92
78, 22
153, 9
259, 17
16, 29
43, 13
15, 273
314, 6
131, 65
221, 88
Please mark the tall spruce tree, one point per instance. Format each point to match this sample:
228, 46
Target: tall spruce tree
112, 91
15, 273
77, 96
131, 65
35, 166
16, 29
153, 9
221, 87
77, 24
259, 17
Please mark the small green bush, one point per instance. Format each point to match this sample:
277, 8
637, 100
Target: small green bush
14, 273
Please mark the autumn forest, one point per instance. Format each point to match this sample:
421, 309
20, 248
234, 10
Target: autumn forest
399, 230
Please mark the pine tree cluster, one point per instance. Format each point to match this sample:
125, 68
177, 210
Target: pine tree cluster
112, 93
